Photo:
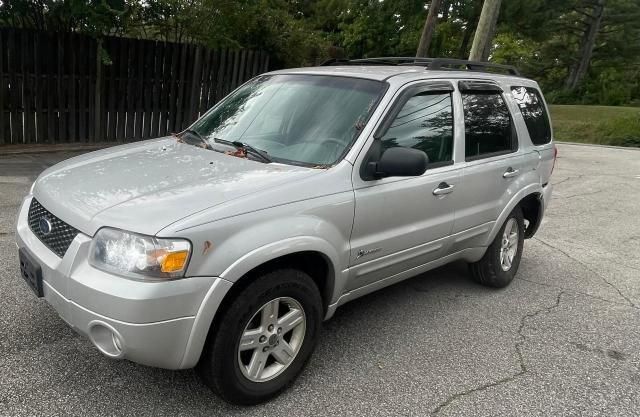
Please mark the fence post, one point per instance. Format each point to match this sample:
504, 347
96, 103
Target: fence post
98, 91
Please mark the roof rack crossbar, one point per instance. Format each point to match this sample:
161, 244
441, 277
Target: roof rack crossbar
429, 63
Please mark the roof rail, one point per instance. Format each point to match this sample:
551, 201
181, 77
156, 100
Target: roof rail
429, 63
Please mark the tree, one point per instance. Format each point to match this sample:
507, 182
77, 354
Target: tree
485, 31
429, 29
580, 51
96, 17
591, 27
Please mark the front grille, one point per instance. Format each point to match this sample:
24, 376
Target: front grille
60, 234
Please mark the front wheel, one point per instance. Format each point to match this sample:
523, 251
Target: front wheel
499, 265
264, 337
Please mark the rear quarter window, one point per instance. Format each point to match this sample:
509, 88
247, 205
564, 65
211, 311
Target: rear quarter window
534, 113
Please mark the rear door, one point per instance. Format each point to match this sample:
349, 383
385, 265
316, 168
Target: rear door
536, 117
492, 162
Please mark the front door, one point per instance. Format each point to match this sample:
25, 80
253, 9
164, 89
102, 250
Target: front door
403, 222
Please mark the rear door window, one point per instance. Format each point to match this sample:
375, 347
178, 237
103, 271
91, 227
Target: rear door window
534, 114
487, 125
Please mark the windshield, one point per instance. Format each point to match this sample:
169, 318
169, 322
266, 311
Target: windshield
304, 119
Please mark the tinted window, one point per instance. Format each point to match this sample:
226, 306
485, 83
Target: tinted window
534, 113
487, 124
425, 123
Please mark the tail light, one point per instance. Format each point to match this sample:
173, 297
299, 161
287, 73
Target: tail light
555, 156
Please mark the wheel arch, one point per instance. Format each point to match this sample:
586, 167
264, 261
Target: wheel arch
533, 210
318, 264
314, 263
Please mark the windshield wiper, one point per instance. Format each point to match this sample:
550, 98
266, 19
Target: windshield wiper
199, 137
247, 148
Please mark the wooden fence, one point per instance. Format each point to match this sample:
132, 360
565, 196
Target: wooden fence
54, 89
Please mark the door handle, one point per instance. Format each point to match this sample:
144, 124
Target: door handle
510, 172
443, 188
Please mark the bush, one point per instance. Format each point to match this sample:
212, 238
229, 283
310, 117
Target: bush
622, 131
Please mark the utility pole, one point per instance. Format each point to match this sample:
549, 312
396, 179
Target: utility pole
485, 31
428, 29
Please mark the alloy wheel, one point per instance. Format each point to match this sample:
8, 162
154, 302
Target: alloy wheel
271, 339
509, 244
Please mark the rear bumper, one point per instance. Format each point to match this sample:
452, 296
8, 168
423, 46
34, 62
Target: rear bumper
160, 324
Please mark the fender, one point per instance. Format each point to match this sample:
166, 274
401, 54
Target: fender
202, 322
522, 193
238, 269
281, 248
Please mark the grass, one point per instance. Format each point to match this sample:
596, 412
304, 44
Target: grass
605, 125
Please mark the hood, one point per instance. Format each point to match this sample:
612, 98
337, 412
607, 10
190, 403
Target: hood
146, 186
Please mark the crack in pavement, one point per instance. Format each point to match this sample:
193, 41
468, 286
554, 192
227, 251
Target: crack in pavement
588, 268
572, 291
564, 171
570, 177
521, 362
580, 195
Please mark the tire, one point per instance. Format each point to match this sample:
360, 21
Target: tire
490, 270
229, 372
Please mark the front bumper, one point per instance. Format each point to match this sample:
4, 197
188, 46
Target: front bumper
162, 324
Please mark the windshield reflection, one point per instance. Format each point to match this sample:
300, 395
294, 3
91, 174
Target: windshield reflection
301, 119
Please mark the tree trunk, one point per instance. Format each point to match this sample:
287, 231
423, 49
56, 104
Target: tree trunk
429, 28
484, 32
490, 36
592, 27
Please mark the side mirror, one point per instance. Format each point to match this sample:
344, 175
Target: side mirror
399, 162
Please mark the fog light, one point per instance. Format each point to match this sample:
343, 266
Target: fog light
106, 339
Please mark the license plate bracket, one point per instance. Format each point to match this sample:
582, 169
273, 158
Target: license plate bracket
31, 272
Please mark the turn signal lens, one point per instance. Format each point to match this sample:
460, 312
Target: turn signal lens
174, 261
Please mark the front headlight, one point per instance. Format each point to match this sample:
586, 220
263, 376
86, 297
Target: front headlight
139, 256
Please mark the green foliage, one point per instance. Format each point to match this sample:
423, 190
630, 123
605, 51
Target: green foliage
272, 26
96, 17
541, 37
381, 28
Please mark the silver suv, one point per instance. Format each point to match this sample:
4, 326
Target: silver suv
225, 247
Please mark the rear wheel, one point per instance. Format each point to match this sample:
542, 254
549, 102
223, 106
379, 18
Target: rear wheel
264, 338
499, 265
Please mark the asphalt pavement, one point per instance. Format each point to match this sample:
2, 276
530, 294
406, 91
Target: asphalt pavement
563, 339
